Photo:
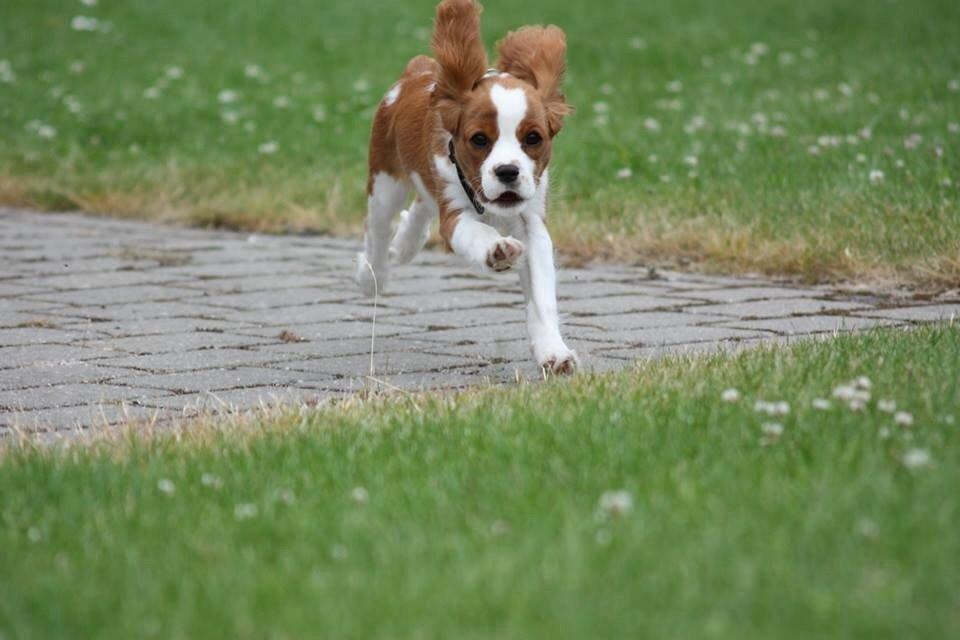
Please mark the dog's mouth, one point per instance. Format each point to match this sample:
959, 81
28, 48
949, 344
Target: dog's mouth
508, 199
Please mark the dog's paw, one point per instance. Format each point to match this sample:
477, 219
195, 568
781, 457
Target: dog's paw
370, 280
504, 253
559, 362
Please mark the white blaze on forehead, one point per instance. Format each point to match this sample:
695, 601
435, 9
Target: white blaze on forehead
511, 105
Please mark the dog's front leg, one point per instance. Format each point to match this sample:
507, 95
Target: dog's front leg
539, 279
481, 244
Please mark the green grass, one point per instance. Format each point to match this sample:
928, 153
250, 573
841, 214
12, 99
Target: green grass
823, 71
482, 516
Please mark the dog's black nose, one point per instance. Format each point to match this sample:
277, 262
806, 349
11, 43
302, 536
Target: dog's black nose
507, 173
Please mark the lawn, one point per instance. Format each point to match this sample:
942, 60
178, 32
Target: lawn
649, 504
815, 138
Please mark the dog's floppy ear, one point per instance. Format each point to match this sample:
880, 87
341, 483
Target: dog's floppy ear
538, 55
461, 54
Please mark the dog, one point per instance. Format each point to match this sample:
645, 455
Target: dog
474, 144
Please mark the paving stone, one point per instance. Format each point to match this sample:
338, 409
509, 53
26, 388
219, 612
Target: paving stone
153, 326
117, 295
928, 313
143, 311
644, 320
71, 395
174, 317
330, 331
34, 335
775, 308
197, 360
239, 400
385, 363
615, 305
48, 354
174, 342
70, 372
79, 420
809, 324
744, 294
225, 379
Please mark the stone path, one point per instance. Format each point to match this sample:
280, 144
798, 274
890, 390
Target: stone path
104, 321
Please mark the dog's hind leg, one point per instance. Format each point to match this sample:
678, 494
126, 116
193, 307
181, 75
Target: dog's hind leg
413, 231
387, 196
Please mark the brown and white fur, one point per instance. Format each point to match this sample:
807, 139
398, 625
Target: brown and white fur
502, 125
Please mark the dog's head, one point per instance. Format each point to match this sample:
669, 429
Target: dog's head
502, 123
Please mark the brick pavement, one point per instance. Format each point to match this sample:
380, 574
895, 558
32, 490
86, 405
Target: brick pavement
105, 321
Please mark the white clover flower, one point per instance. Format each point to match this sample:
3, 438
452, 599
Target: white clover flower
245, 511
651, 124
903, 419
84, 23
916, 458
174, 73
665, 178
885, 433
46, 132
813, 150
230, 117
876, 176
7, 75
863, 382
759, 48
338, 552
227, 96
868, 528
601, 107
210, 480
912, 141
268, 148
77, 67
953, 127
887, 406
821, 95
166, 486
616, 503
361, 86
624, 174
778, 131
844, 392
857, 405
281, 102
253, 71
953, 85
637, 43
34, 535
675, 86
786, 58
772, 429
691, 160
319, 113
360, 495
151, 93
730, 395
821, 404
606, 89
845, 89
861, 158
88, 3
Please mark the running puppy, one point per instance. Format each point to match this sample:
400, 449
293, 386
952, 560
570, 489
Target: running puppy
474, 144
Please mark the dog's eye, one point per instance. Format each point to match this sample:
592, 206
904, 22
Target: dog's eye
533, 139
479, 140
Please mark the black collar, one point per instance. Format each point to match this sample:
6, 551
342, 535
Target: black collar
474, 200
